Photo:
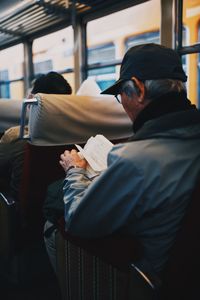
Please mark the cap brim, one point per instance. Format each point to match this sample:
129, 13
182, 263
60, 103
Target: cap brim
113, 89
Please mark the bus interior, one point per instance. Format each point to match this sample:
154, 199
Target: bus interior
85, 41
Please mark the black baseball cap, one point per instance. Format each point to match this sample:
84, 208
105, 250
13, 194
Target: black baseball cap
146, 62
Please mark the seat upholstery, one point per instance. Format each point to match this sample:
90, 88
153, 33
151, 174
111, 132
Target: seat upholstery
69, 119
41, 167
99, 268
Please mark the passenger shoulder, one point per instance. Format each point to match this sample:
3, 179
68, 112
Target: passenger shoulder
10, 135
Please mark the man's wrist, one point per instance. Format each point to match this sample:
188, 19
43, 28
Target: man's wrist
69, 168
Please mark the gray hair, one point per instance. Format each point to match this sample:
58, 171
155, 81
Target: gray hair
159, 87
155, 88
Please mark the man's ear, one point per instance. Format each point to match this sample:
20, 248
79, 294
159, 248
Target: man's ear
139, 85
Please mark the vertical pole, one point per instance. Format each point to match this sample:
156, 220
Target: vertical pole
167, 23
80, 52
28, 66
179, 24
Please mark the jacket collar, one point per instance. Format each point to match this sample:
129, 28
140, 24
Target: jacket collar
158, 117
166, 104
171, 125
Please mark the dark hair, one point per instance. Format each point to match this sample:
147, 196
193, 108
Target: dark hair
51, 83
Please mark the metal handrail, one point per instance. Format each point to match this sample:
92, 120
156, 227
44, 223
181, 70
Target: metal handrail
9, 201
25, 105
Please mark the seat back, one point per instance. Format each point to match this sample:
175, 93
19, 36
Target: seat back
69, 119
99, 268
41, 167
180, 279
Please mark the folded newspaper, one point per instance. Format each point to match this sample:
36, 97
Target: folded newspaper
95, 152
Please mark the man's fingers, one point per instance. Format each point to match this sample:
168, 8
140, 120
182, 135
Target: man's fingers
73, 151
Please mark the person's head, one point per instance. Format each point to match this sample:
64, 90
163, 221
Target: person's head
147, 72
51, 83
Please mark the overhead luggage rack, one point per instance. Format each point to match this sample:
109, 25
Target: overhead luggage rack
29, 19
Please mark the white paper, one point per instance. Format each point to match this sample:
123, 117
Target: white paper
96, 151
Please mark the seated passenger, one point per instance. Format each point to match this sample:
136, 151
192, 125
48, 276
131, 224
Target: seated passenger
149, 180
12, 148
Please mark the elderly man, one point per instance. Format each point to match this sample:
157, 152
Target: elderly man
149, 180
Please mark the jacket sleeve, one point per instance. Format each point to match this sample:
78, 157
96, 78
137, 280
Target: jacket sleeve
98, 208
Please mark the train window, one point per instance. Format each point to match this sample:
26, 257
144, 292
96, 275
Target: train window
70, 77
105, 53
191, 67
11, 72
4, 84
198, 66
106, 35
104, 77
147, 37
191, 18
184, 57
101, 53
150, 37
43, 66
54, 52
185, 35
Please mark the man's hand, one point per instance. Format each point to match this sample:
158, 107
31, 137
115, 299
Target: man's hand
72, 159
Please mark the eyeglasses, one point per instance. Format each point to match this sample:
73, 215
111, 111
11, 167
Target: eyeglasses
118, 98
